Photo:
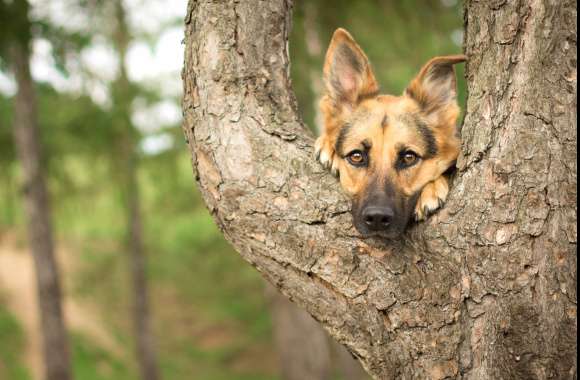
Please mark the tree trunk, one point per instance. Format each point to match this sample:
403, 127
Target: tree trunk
315, 53
302, 346
37, 212
487, 288
141, 315
346, 365
305, 351
128, 163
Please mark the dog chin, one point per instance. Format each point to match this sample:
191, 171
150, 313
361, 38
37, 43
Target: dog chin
389, 234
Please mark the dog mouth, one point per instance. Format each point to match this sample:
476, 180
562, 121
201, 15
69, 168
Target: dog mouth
387, 219
388, 233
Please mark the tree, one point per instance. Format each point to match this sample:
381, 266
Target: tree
36, 198
302, 346
126, 153
305, 351
487, 288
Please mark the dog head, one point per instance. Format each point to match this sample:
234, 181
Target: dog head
387, 148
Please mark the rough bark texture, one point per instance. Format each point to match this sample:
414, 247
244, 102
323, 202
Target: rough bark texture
487, 288
37, 215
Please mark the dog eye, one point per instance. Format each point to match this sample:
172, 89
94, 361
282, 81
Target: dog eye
357, 158
409, 158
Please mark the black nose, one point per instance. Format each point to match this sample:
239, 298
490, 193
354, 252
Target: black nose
377, 218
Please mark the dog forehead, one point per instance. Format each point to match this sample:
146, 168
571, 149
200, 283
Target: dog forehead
389, 106
393, 117
366, 114
384, 120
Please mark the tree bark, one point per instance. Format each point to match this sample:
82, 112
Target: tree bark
55, 347
314, 50
126, 152
487, 288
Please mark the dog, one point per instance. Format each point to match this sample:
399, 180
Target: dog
389, 152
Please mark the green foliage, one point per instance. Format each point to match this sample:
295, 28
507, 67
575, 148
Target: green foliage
7, 153
91, 362
15, 26
11, 348
63, 42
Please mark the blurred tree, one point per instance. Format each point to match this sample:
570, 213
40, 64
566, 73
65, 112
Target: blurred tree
304, 349
301, 344
345, 362
127, 157
80, 134
17, 27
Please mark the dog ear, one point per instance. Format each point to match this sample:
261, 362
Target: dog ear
435, 88
347, 72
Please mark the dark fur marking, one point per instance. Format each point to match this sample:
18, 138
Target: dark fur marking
440, 71
342, 135
368, 95
451, 169
346, 56
428, 137
437, 73
335, 83
385, 121
419, 99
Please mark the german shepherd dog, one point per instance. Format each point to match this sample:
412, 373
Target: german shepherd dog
390, 152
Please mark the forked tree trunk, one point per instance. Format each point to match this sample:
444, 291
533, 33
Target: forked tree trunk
487, 288
37, 212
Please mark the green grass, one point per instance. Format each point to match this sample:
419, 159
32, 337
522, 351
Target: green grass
93, 363
210, 365
11, 348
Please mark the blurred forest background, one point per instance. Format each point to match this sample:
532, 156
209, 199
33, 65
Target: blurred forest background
108, 89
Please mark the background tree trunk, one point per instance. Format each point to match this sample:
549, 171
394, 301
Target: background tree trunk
37, 206
487, 288
305, 350
302, 346
347, 366
127, 155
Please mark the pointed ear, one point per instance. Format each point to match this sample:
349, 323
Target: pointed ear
435, 88
347, 72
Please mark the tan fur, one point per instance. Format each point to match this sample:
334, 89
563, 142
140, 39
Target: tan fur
389, 122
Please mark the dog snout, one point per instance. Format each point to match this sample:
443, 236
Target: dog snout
377, 218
